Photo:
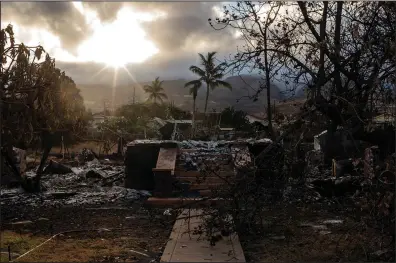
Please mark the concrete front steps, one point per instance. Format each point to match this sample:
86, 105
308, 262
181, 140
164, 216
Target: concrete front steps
183, 246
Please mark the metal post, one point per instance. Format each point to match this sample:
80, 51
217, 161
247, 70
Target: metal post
134, 89
9, 253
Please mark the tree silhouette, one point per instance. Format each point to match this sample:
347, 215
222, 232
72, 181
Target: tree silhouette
194, 87
155, 91
35, 95
210, 74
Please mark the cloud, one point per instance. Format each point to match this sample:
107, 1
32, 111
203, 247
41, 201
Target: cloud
183, 22
59, 18
179, 35
107, 11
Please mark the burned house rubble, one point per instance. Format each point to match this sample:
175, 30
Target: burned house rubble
165, 168
171, 167
77, 183
165, 173
92, 181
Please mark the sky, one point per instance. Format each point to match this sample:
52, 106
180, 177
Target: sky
89, 40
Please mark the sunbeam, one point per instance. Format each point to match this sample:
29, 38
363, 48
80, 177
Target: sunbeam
100, 71
114, 88
132, 77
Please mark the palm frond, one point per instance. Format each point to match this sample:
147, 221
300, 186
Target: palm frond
217, 76
158, 89
162, 95
200, 72
223, 84
203, 59
211, 56
160, 99
151, 98
193, 83
147, 88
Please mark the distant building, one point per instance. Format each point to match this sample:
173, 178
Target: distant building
100, 118
170, 128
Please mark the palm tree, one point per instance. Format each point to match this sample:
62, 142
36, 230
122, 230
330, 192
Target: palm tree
195, 85
155, 91
210, 74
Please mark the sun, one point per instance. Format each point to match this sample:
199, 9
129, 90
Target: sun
119, 42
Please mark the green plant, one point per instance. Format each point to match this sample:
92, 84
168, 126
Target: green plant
155, 91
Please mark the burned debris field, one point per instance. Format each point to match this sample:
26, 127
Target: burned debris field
89, 216
110, 209
198, 131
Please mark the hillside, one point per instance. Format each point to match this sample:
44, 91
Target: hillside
243, 86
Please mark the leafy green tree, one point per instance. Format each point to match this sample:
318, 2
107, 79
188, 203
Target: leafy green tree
210, 74
155, 91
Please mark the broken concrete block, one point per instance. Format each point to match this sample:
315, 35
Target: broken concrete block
56, 168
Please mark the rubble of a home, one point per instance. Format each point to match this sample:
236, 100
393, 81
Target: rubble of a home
186, 168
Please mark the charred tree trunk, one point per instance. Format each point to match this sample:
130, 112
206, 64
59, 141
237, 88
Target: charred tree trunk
32, 184
337, 43
268, 85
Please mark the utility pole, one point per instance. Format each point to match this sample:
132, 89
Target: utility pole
134, 93
105, 107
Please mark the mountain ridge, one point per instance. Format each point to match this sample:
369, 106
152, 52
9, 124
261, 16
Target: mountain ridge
240, 97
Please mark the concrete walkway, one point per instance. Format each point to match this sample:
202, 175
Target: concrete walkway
185, 247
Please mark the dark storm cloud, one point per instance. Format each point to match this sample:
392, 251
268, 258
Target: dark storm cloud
183, 21
60, 18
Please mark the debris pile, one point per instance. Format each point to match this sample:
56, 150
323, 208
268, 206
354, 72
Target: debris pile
93, 183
